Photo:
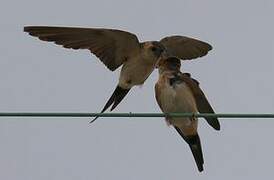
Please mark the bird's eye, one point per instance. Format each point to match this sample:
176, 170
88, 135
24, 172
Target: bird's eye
153, 49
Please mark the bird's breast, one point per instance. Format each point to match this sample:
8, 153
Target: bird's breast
134, 72
177, 98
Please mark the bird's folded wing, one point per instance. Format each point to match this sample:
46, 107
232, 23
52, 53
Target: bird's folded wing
201, 100
185, 48
111, 46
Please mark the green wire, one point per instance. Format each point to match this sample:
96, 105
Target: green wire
64, 114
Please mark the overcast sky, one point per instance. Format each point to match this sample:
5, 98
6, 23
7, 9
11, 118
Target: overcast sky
237, 77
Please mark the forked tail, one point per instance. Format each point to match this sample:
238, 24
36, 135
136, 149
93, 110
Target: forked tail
116, 97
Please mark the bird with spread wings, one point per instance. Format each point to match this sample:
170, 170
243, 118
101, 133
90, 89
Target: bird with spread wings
117, 48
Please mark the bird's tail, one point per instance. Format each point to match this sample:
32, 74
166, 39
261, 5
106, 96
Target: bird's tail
196, 149
116, 97
195, 145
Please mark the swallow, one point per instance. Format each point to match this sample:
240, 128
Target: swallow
179, 92
116, 48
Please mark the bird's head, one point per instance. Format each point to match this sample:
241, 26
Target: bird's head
169, 64
152, 51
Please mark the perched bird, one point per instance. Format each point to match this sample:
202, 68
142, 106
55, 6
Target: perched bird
117, 48
178, 92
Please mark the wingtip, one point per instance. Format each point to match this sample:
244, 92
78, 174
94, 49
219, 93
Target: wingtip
217, 126
210, 47
214, 123
34, 28
26, 28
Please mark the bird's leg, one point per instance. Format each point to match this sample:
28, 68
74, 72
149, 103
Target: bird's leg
192, 118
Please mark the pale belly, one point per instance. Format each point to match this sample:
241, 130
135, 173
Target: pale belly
179, 99
133, 74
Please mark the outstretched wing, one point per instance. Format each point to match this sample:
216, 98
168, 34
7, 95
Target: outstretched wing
185, 48
111, 46
203, 105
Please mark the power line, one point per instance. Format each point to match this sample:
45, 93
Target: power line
68, 114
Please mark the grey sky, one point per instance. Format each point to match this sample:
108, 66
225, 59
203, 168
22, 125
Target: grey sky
237, 76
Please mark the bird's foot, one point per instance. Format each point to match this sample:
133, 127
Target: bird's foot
193, 118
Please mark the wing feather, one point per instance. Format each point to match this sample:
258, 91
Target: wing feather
111, 46
185, 48
201, 100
